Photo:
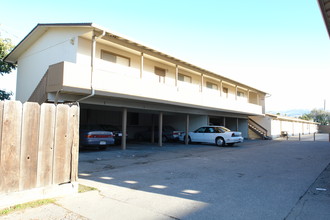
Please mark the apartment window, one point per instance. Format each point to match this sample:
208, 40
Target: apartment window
211, 85
240, 94
225, 91
160, 72
115, 58
184, 78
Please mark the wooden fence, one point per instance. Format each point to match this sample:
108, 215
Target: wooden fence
38, 145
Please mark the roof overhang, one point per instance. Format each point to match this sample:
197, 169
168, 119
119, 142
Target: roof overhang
325, 10
286, 118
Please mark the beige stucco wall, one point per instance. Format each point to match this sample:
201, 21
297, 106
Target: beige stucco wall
276, 126
70, 47
83, 58
263, 121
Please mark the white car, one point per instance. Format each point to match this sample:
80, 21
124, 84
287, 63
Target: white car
214, 134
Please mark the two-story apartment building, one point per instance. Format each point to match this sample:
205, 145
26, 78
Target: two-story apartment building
121, 82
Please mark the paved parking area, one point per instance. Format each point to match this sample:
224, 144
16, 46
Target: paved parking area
254, 180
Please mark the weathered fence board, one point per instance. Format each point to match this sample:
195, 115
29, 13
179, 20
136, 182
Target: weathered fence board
1, 121
61, 149
29, 146
10, 146
74, 111
38, 145
46, 145
1, 113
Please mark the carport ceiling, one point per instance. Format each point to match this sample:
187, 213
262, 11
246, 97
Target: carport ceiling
117, 104
116, 108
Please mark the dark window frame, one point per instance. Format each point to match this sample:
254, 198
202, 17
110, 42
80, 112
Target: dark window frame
161, 73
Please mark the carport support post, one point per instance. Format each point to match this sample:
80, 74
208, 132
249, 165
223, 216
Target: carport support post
124, 126
160, 129
153, 130
186, 139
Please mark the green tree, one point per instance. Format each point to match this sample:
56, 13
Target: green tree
5, 47
318, 115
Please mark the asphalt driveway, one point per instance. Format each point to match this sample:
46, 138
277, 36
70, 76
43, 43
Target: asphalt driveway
254, 180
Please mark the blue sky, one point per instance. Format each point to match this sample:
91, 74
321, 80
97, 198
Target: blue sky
278, 46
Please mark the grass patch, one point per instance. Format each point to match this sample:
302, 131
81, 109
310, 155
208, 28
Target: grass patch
23, 206
83, 188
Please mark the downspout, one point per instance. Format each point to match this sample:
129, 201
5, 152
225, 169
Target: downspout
94, 38
56, 96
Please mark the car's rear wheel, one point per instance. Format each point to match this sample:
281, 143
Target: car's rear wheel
220, 142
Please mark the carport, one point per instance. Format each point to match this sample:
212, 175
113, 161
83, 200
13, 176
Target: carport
132, 116
234, 123
132, 120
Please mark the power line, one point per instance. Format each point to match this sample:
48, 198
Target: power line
8, 32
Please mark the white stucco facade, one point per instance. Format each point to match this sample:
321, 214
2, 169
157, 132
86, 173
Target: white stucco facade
276, 124
55, 45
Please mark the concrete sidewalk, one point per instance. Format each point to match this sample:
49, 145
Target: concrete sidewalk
256, 180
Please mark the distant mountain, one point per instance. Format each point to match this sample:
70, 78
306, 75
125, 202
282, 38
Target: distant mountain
291, 113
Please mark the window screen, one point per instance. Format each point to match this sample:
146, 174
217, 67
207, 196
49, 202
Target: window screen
240, 94
211, 85
114, 58
184, 78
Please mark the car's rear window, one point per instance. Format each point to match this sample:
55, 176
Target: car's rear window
91, 127
222, 129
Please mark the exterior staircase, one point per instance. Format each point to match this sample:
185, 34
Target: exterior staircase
260, 131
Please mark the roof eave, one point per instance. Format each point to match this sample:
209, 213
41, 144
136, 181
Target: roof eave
33, 35
324, 10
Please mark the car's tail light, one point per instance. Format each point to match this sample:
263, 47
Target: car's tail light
99, 136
